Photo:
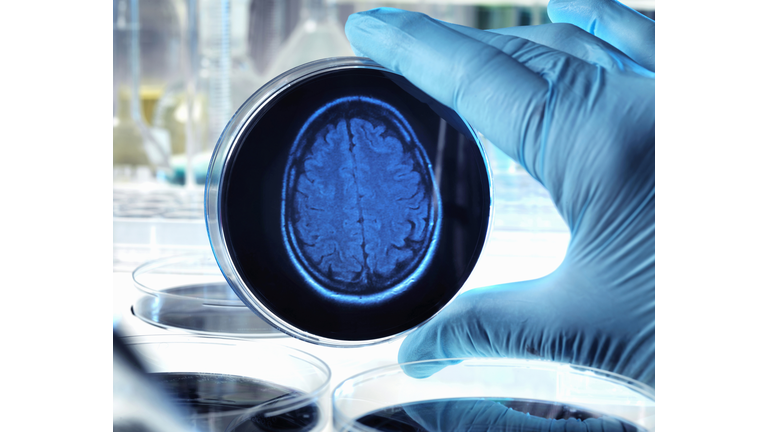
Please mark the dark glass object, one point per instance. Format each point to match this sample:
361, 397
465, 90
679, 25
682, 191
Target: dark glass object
220, 402
483, 414
354, 205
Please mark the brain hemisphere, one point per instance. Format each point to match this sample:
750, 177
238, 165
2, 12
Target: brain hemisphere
326, 208
393, 199
361, 209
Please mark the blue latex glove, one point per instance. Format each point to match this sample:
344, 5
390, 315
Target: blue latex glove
573, 103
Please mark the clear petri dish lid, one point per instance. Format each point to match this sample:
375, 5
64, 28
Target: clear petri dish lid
491, 394
345, 206
231, 385
188, 293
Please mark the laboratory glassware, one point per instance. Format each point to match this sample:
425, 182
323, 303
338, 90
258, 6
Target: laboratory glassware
344, 273
139, 152
490, 394
231, 385
318, 35
188, 293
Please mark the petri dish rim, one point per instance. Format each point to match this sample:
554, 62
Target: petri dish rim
161, 262
226, 147
349, 424
275, 408
174, 293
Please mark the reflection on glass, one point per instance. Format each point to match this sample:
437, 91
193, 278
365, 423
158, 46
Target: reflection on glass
220, 402
491, 414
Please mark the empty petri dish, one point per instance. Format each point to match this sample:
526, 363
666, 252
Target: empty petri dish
491, 394
229, 385
188, 292
345, 206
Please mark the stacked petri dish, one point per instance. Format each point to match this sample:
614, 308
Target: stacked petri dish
491, 394
230, 385
189, 293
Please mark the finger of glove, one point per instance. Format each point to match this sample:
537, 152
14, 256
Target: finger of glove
626, 29
490, 415
553, 318
565, 38
495, 93
538, 57
572, 40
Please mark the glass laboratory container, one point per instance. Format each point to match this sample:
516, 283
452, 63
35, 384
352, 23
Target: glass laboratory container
146, 39
318, 35
491, 394
188, 293
231, 385
400, 214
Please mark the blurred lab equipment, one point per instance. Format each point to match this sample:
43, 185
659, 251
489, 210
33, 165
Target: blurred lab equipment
136, 148
138, 403
226, 75
317, 35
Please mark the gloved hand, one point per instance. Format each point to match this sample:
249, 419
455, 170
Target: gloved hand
573, 103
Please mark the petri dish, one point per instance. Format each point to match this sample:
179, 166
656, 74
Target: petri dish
491, 394
230, 385
188, 292
344, 206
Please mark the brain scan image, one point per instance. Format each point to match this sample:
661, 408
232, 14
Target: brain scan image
360, 208
350, 205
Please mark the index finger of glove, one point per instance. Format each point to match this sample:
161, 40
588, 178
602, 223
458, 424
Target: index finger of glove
482, 83
570, 39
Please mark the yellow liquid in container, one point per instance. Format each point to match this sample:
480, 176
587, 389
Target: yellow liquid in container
149, 95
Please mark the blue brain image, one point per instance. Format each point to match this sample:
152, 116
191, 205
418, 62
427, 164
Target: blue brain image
361, 210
